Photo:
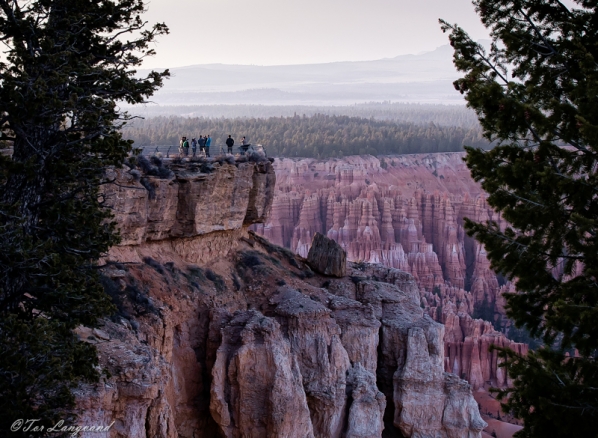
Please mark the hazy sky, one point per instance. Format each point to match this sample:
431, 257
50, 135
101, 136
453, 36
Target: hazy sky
270, 32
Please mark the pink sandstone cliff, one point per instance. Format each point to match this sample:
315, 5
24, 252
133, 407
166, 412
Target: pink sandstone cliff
221, 333
405, 212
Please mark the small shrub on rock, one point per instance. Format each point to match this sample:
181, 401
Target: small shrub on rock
154, 264
216, 279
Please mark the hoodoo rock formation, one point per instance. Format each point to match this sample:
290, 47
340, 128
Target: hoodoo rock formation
467, 343
404, 212
221, 333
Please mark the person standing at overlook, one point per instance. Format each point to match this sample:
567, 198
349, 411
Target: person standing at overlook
208, 144
182, 145
193, 146
202, 143
244, 146
230, 142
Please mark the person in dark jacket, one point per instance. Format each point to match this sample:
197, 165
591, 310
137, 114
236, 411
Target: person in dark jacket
194, 146
230, 142
202, 143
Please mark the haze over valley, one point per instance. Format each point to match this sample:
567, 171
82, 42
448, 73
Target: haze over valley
421, 78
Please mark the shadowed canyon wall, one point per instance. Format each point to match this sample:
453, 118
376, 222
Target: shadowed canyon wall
221, 333
405, 212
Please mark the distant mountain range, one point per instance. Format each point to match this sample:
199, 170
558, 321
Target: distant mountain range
425, 78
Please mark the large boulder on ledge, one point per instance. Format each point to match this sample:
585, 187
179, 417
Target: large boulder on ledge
327, 257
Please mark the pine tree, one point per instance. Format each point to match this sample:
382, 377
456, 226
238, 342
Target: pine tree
535, 91
68, 64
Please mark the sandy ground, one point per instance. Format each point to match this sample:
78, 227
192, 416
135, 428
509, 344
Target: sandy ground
499, 424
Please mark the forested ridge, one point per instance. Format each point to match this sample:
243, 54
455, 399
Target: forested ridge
318, 136
442, 115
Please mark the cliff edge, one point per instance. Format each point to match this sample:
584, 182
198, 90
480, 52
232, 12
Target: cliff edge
220, 333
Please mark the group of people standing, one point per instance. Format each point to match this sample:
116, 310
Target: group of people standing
204, 142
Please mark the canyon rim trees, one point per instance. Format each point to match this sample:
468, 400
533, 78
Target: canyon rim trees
536, 93
67, 65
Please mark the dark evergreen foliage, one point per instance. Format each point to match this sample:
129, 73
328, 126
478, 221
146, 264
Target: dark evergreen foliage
536, 93
318, 136
68, 63
523, 335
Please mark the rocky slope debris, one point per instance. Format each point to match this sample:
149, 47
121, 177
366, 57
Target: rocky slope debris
221, 333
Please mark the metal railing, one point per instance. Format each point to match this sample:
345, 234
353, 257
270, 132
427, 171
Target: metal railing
172, 151
166, 151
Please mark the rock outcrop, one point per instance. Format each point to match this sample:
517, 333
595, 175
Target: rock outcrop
367, 409
327, 257
257, 387
194, 200
221, 333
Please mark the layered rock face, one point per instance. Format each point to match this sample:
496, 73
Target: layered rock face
195, 200
221, 333
405, 212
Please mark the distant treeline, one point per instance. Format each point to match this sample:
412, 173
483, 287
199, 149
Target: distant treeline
318, 136
444, 115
